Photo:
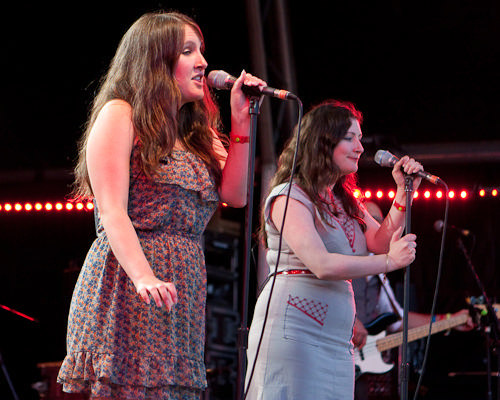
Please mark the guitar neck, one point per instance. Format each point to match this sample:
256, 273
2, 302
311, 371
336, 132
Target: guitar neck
396, 339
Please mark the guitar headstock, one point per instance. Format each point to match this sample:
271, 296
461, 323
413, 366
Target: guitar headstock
478, 305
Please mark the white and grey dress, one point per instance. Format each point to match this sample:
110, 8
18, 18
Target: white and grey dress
307, 351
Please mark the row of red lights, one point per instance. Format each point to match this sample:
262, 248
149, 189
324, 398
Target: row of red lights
368, 194
48, 206
427, 194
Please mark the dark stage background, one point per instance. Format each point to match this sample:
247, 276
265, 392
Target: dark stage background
425, 75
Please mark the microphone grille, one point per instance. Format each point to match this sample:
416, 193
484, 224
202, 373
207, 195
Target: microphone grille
385, 158
380, 156
217, 79
438, 225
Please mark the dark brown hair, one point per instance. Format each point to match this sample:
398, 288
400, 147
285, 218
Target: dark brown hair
142, 74
320, 131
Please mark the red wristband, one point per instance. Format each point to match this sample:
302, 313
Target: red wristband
239, 139
399, 207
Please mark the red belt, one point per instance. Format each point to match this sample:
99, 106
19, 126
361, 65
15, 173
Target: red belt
295, 272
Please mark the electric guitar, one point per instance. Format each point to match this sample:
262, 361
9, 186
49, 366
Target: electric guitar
369, 358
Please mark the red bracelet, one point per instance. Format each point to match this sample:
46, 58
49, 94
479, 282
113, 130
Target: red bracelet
239, 139
399, 207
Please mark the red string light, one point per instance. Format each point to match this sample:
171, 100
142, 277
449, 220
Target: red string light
379, 194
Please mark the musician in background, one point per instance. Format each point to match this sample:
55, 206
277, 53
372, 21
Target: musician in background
374, 297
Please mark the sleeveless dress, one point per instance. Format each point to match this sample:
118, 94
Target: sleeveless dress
306, 351
117, 345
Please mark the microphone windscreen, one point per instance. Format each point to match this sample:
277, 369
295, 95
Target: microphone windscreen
219, 79
384, 158
438, 225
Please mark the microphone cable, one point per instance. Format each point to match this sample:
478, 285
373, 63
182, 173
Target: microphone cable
436, 290
280, 242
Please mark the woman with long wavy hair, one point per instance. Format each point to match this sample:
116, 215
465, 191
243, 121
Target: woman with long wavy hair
152, 161
306, 350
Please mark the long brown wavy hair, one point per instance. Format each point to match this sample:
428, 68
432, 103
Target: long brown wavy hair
142, 74
320, 131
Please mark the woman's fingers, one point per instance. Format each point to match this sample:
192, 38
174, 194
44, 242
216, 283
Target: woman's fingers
163, 294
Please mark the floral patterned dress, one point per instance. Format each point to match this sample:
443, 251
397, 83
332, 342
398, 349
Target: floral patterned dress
117, 345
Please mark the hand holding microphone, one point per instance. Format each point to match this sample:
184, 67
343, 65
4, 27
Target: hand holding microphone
386, 159
221, 80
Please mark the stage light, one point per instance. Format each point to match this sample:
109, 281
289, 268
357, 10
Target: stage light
366, 193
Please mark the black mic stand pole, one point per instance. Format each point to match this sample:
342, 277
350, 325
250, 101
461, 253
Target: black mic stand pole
492, 325
404, 367
243, 330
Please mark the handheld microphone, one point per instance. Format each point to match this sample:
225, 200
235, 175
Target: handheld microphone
221, 80
386, 159
439, 225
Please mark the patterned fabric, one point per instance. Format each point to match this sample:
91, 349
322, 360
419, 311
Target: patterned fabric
120, 347
314, 309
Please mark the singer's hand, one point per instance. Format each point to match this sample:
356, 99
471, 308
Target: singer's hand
409, 166
163, 293
401, 250
239, 101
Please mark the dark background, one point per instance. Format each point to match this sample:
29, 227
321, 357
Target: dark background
422, 73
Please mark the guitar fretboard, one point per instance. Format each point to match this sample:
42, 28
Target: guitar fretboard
396, 339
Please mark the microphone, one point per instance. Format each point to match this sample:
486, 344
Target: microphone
221, 80
439, 225
386, 159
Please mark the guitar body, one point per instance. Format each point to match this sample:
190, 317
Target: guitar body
381, 323
369, 359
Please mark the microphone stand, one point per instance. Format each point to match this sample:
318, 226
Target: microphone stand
243, 330
404, 367
491, 327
